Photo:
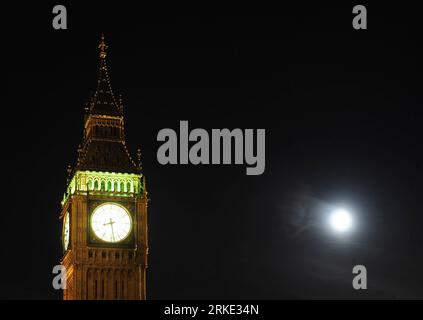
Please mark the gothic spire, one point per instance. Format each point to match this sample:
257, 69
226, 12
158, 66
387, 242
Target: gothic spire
103, 101
104, 147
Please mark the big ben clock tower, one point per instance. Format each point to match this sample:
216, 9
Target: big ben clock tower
104, 209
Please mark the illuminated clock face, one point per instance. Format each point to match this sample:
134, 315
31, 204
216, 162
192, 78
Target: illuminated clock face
111, 222
66, 230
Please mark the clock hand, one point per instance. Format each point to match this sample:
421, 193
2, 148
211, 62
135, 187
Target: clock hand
113, 233
111, 225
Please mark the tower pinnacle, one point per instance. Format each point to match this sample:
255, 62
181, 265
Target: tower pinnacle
103, 47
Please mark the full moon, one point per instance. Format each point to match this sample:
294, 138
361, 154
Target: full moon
340, 220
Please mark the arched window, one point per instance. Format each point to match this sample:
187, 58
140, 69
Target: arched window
96, 185
122, 187
115, 187
90, 184
103, 185
109, 186
128, 187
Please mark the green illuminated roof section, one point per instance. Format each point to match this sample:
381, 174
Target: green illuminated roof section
104, 184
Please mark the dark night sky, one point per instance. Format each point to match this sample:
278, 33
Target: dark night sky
340, 111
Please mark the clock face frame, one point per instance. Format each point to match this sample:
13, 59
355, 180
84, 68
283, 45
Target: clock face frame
66, 230
110, 224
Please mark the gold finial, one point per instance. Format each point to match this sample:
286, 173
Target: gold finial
103, 47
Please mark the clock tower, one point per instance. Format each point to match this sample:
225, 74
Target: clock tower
104, 208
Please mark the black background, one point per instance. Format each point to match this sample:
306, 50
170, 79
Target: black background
340, 111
